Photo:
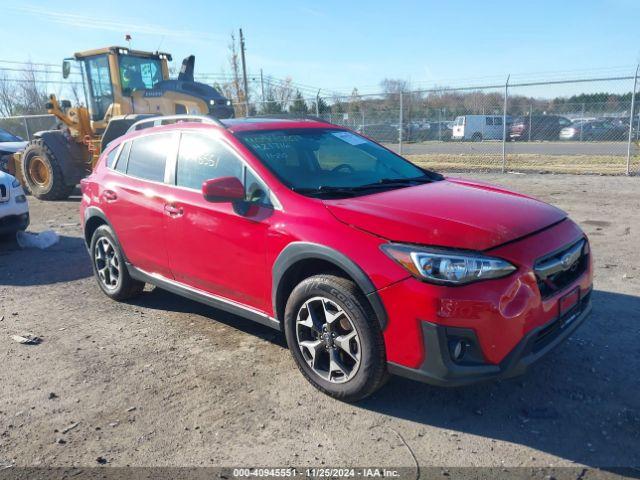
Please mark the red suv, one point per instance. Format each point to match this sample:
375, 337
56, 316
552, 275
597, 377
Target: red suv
368, 263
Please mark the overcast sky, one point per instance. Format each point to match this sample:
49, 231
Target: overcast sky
341, 44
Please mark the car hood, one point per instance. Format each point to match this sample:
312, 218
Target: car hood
12, 147
5, 178
453, 213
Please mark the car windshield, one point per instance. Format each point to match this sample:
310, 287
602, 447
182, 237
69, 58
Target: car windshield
326, 162
8, 137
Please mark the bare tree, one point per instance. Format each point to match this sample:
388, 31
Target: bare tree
32, 91
9, 103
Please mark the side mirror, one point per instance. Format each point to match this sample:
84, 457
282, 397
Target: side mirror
66, 68
223, 189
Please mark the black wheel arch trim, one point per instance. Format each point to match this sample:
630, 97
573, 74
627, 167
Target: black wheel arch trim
299, 251
95, 212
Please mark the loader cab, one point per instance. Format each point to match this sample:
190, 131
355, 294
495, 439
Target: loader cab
111, 76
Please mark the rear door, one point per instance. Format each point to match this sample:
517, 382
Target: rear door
134, 196
218, 247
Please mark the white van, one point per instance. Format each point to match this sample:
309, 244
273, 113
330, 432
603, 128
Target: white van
478, 127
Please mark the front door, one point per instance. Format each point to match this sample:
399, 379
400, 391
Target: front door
218, 247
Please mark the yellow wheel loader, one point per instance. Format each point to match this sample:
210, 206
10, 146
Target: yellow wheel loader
122, 86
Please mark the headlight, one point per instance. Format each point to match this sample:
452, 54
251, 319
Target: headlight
15, 183
447, 267
21, 199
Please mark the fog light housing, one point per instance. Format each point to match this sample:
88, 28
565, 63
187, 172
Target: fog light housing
463, 346
457, 349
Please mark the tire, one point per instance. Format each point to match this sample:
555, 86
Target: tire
40, 172
332, 293
476, 137
19, 174
124, 287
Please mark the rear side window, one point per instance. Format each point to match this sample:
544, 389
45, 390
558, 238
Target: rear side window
111, 157
201, 158
489, 120
148, 156
121, 164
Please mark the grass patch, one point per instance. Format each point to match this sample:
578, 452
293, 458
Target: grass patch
585, 164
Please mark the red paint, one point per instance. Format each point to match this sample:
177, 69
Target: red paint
225, 189
179, 234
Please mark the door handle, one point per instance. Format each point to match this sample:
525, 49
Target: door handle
110, 195
173, 210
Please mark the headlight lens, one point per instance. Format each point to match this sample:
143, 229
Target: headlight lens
21, 199
15, 183
447, 267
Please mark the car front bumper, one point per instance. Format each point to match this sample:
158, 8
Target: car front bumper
439, 369
13, 223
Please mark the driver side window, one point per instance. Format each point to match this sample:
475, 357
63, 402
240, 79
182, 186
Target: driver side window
202, 157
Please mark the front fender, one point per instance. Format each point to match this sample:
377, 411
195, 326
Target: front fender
299, 251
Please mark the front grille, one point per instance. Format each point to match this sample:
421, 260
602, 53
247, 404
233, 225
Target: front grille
553, 329
4, 193
554, 272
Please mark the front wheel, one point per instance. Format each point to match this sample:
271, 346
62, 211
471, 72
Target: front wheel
335, 338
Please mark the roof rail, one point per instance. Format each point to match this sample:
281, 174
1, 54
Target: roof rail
291, 116
170, 119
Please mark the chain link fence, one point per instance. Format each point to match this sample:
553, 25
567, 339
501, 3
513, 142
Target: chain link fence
589, 126
25, 126
569, 126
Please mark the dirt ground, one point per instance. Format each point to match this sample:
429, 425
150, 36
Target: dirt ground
164, 381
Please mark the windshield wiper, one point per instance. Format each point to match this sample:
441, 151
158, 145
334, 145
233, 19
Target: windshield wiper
383, 183
325, 189
393, 182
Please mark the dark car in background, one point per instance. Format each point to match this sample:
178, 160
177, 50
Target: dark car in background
381, 132
9, 144
537, 127
595, 130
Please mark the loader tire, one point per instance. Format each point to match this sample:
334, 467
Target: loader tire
19, 174
42, 174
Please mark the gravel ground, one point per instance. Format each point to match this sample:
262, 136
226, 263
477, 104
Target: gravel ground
163, 381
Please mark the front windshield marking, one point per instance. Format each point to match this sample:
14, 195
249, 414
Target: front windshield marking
316, 159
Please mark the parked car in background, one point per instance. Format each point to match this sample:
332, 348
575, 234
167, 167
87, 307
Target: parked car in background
537, 127
595, 130
369, 264
440, 131
478, 127
14, 209
381, 132
9, 144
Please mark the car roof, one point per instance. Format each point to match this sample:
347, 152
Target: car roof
274, 123
233, 125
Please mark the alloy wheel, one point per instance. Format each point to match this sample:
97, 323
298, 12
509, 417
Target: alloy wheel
328, 340
107, 263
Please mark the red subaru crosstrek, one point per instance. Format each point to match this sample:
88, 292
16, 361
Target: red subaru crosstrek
368, 263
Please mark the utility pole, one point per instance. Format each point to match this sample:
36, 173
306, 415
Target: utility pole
262, 85
244, 73
504, 125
